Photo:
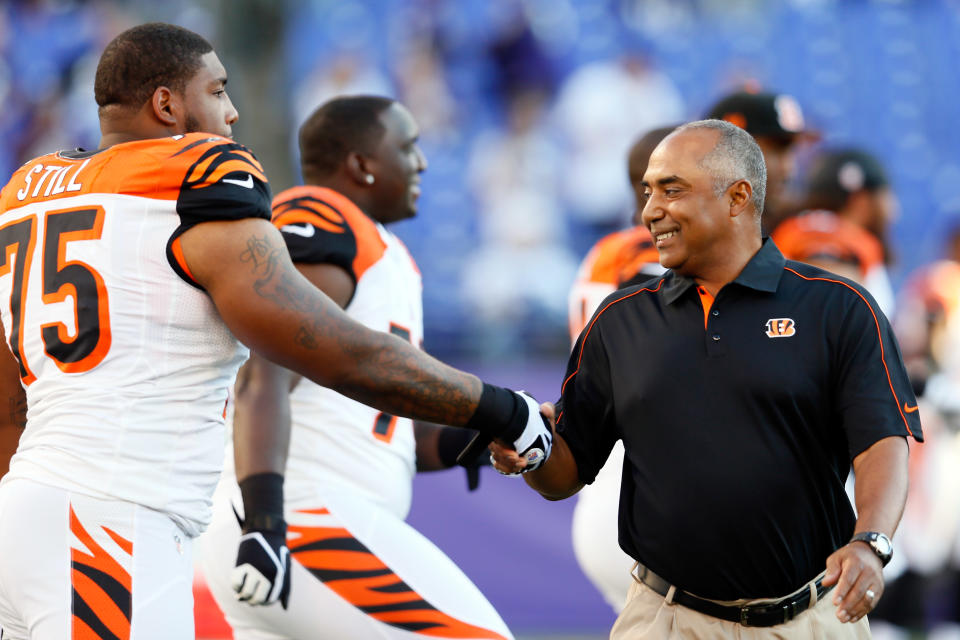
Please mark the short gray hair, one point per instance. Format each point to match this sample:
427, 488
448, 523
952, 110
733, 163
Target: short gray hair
736, 156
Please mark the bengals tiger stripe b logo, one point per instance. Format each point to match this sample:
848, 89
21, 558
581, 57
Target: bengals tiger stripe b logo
780, 327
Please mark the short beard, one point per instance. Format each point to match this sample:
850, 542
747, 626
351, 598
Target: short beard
191, 124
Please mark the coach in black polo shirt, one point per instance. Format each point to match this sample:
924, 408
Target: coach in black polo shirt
742, 385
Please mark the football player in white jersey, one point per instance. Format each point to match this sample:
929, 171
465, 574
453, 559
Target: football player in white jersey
359, 571
129, 276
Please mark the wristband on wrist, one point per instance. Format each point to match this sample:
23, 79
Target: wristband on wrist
500, 413
263, 502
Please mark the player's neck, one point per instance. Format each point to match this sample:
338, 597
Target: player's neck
120, 126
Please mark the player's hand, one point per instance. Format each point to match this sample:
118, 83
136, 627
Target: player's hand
262, 571
512, 458
858, 574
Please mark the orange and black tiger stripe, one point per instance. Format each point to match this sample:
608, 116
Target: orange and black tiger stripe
218, 161
311, 210
331, 211
354, 573
102, 588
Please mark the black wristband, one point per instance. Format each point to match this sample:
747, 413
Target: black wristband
263, 502
451, 442
501, 413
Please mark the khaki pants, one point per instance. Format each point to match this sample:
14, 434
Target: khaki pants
647, 615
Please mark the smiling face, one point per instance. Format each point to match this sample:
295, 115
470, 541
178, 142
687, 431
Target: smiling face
206, 103
691, 225
396, 164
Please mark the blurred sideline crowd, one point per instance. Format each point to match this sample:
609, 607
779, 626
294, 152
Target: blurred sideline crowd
528, 111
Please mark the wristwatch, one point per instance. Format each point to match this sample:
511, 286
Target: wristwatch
879, 544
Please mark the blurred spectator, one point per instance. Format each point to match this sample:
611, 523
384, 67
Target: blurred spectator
928, 327
41, 45
522, 269
343, 73
776, 123
853, 183
423, 87
518, 58
599, 110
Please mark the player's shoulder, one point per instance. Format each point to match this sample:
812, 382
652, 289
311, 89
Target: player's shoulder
822, 223
321, 207
198, 160
616, 252
824, 233
320, 225
214, 178
324, 209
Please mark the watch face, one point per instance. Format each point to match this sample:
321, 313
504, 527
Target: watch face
883, 545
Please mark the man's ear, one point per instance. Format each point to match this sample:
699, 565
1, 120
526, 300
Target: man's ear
166, 106
740, 195
358, 168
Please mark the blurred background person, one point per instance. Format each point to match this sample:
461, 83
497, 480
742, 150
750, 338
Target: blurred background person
842, 226
521, 268
600, 108
854, 184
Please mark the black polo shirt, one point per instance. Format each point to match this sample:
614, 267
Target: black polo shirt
739, 422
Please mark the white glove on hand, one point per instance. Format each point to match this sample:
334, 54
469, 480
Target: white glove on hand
536, 441
262, 571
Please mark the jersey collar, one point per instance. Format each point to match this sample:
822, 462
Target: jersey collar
761, 273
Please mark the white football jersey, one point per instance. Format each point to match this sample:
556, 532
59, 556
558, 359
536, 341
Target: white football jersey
337, 441
125, 361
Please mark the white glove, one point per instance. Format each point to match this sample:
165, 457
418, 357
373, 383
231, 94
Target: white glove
536, 441
262, 572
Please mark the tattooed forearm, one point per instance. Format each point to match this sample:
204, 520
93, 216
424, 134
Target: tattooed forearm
403, 380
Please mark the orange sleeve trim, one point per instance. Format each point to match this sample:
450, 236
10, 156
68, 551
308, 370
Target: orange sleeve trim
883, 358
590, 328
178, 255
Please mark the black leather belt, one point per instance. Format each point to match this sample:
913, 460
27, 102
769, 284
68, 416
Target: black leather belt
756, 615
